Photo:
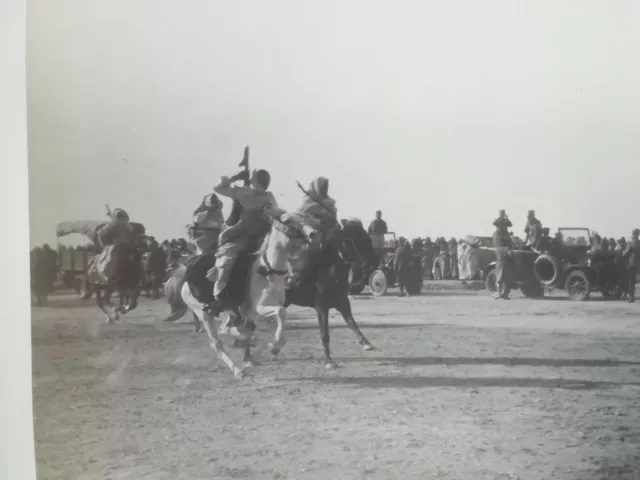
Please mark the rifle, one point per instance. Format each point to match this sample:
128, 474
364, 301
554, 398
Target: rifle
234, 216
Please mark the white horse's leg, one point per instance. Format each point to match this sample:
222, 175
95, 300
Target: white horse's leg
279, 314
208, 322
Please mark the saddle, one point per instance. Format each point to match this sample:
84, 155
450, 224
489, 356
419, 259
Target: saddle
121, 264
234, 293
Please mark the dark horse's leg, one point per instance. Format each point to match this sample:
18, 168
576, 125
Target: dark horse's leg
103, 294
343, 305
323, 320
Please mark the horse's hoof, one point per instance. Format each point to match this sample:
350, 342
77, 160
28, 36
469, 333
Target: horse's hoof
275, 351
331, 365
238, 373
250, 363
109, 320
367, 347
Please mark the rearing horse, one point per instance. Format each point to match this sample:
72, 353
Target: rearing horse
257, 283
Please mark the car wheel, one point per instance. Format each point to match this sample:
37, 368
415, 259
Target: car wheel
577, 285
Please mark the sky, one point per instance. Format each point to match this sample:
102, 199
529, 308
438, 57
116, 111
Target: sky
437, 113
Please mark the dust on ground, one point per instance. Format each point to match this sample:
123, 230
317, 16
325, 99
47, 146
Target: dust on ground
462, 387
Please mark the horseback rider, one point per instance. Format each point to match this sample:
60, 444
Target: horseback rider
207, 224
236, 238
318, 204
110, 237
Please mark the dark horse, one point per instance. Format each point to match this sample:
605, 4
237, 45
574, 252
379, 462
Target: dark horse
126, 282
355, 249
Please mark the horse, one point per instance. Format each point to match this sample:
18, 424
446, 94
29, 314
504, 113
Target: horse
256, 287
356, 248
126, 282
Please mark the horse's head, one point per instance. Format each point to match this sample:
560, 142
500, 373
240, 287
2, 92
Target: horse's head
297, 235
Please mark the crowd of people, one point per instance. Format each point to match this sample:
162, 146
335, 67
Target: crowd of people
210, 233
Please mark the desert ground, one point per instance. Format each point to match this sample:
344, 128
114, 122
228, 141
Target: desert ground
462, 387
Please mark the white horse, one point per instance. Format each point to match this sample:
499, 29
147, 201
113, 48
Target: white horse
284, 251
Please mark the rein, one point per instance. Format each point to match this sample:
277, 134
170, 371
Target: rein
266, 269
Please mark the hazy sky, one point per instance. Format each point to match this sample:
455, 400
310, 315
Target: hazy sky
438, 113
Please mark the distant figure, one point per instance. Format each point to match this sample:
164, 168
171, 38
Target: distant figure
50, 258
532, 230
377, 230
402, 265
632, 255
39, 277
463, 261
453, 258
502, 243
427, 258
621, 268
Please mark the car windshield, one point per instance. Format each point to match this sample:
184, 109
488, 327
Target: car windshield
574, 236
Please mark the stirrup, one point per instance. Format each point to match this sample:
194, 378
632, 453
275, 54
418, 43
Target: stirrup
214, 308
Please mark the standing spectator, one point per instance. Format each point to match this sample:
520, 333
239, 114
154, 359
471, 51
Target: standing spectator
427, 258
443, 250
377, 230
621, 268
39, 283
532, 230
632, 256
502, 243
463, 261
402, 265
453, 258
50, 258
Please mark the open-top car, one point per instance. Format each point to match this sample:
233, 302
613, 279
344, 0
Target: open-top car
522, 264
573, 265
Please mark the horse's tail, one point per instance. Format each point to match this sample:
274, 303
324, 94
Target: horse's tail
173, 292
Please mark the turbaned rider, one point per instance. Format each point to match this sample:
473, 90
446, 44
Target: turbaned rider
206, 225
318, 204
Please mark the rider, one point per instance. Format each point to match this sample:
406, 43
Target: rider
237, 237
206, 225
318, 204
117, 232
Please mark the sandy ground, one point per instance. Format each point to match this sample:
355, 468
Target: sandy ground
463, 387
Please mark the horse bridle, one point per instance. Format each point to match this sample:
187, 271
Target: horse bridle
291, 232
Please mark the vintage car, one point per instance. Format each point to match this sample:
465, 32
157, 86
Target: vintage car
522, 261
571, 264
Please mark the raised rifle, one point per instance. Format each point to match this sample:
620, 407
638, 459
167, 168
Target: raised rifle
234, 216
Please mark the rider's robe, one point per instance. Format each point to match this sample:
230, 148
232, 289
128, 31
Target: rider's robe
205, 230
236, 238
